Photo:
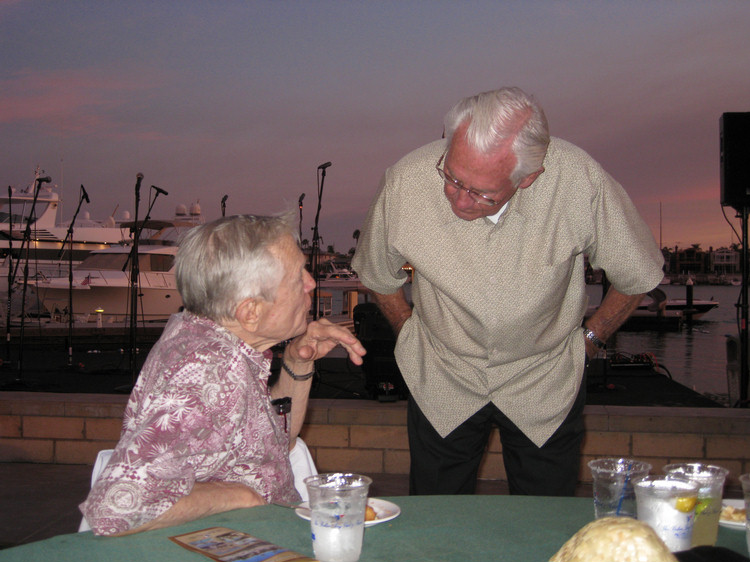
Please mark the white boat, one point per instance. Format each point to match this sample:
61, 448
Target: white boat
659, 303
338, 275
700, 306
44, 248
101, 283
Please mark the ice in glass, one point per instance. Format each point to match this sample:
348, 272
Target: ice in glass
667, 504
708, 509
337, 520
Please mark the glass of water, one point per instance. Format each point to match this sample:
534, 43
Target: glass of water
337, 519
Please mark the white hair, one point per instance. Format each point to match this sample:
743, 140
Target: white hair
222, 263
501, 116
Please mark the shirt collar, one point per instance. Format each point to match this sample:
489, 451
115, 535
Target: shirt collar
496, 217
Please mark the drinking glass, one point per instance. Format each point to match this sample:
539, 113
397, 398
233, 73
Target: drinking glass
710, 478
337, 519
667, 504
613, 486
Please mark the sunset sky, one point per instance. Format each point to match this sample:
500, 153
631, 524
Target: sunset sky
246, 99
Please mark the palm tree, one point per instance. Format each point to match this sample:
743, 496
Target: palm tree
355, 235
305, 244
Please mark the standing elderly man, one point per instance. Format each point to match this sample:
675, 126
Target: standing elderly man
495, 220
202, 433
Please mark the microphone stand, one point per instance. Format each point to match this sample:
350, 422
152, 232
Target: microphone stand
315, 255
69, 238
27, 241
134, 272
301, 197
134, 275
10, 274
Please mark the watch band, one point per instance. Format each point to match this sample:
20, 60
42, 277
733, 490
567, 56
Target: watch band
294, 375
591, 336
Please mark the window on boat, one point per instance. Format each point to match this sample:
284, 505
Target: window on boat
117, 262
21, 212
104, 261
159, 262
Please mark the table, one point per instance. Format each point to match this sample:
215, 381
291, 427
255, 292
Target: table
451, 528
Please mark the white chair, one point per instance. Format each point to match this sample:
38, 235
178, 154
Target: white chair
102, 458
302, 462
303, 466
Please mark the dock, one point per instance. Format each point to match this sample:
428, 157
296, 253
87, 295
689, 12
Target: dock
98, 360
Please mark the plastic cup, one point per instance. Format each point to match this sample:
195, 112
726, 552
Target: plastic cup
708, 509
337, 504
613, 486
667, 504
745, 481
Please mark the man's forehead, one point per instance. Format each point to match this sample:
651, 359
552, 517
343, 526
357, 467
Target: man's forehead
286, 248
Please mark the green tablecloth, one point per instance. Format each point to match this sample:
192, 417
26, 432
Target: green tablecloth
452, 528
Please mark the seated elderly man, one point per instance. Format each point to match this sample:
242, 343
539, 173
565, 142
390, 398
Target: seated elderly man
202, 431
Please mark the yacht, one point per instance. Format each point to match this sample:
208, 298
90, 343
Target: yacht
101, 287
659, 303
30, 233
337, 275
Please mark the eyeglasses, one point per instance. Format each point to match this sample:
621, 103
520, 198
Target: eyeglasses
455, 184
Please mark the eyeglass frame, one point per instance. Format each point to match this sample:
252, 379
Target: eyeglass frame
453, 182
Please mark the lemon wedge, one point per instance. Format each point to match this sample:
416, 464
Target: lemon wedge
685, 505
702, 505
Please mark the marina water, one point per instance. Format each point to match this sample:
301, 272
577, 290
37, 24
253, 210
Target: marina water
696, 357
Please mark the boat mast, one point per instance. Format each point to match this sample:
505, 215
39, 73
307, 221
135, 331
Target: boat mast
660, 244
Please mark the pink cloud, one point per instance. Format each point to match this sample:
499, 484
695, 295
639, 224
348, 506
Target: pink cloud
75, 101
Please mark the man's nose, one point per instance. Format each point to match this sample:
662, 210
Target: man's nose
461, 199
309, 282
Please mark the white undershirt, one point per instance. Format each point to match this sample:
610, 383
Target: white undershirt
496, 217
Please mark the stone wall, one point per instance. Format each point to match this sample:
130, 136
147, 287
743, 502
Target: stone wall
370, 437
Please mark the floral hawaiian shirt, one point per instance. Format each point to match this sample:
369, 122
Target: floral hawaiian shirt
200, 412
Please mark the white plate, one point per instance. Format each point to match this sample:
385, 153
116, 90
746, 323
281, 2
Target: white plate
737, 504
384, 511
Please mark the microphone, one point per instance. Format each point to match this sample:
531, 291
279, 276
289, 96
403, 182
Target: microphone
85, 195
224, 199
324, 166
45, 179
159, 190
138, 178
301, 197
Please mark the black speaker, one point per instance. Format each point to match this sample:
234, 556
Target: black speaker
383, 379
734, 132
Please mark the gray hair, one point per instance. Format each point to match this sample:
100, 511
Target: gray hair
222, 263
500, 116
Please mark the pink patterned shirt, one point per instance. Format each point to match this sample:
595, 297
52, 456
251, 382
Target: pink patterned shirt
200, 412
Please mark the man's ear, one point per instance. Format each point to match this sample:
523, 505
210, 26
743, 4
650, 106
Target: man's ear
248, 313
531, 178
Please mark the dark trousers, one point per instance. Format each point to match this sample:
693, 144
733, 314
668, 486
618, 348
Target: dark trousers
450, 465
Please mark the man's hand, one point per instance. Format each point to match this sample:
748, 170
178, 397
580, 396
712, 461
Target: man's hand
319, 339
612, 312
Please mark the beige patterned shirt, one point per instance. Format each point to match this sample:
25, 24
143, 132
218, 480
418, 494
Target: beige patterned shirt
498, 307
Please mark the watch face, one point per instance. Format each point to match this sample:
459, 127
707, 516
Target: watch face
591, 336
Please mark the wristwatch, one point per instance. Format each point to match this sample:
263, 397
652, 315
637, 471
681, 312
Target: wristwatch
591, 336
